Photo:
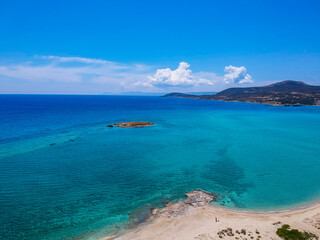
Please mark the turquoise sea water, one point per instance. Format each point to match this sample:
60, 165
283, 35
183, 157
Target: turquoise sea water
65, 175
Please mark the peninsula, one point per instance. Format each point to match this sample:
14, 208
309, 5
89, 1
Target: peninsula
285, 93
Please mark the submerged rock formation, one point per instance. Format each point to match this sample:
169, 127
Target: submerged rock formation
131, 124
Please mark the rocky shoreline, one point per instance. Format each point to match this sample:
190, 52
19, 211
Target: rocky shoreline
195, 199
195, 219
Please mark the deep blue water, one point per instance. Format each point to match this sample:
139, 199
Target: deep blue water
65, 175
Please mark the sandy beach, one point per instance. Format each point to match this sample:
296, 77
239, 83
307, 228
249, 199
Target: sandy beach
181, 221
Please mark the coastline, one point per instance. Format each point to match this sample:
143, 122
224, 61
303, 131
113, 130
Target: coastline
291, 208
210, 221
238, 101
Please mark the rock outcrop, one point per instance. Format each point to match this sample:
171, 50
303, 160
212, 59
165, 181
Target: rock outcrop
131, 124
196, 198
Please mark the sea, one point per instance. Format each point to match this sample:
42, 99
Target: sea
65, 175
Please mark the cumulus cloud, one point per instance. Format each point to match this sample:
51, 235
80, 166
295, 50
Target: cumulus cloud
180, 77
237, 75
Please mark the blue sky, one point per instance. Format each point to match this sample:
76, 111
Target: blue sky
92, 47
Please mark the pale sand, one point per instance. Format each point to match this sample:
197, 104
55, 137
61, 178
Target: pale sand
200, 224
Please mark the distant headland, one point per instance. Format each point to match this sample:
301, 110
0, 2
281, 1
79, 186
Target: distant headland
285, 93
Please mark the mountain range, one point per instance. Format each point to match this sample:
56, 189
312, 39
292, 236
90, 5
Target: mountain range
285, 93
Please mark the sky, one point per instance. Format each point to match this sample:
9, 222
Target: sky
120, 47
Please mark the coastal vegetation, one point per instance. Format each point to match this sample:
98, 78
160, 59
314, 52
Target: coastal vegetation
239, 234
285, 232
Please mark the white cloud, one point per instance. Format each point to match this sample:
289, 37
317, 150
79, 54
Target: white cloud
40, 73
57, 74
237, 75
104, 75
180, 77
76, 59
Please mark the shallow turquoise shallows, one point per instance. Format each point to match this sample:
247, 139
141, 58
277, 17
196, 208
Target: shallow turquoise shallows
65, 175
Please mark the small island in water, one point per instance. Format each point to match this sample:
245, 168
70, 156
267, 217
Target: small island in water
131, 124
285, 93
